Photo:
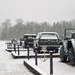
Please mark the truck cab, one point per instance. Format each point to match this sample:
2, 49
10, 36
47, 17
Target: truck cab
29, 40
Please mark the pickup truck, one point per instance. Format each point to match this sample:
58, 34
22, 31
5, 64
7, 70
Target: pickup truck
49, 41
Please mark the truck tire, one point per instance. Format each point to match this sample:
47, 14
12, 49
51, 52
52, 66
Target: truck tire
71, 56
38, 51
63, 57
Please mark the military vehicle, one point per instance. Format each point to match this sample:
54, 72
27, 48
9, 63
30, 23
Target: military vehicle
29, 40
67, 51
47, 40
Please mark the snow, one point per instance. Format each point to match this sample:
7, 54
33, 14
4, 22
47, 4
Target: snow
10, 66
59, 68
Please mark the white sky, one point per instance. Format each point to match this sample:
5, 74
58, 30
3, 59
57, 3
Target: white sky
37, 10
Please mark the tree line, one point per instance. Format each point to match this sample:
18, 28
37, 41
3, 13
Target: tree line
9, 31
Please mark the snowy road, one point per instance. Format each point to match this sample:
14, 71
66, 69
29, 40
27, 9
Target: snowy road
10, 66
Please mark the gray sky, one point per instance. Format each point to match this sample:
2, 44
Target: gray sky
37, 10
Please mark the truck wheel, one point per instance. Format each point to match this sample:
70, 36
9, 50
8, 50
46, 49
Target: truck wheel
63, 57
38, 51
71, 56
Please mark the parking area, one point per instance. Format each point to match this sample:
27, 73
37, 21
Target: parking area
10, 66
59, 68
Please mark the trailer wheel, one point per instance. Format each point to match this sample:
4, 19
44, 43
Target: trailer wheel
71, 56
63, 57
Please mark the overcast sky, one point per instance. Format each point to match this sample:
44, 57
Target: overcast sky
37, 10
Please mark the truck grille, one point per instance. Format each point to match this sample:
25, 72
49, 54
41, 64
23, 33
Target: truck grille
48, 42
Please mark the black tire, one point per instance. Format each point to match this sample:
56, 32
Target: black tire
38, 51
71, 56
63, 57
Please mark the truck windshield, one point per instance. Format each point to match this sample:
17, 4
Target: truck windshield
31, 37
49, 36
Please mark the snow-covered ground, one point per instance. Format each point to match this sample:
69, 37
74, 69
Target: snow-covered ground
10, 66
59, 68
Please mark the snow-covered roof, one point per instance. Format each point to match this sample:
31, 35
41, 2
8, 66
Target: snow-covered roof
48, 32
29, 34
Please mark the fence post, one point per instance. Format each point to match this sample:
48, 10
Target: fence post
15, 48
35, 56
51, 63
18, 50
28, 51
